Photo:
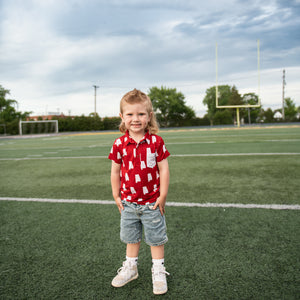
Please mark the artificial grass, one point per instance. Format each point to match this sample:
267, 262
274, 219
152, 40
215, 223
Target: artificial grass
72, 251
249, 179
67, 179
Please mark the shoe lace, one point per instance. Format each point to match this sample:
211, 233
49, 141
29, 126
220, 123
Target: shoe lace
125, 269
159, 274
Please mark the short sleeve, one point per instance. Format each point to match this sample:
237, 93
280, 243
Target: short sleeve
161, 150
115, 153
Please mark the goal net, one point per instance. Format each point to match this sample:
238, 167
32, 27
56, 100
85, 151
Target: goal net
38, 127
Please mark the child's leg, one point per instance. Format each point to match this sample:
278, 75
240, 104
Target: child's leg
129, 270
132, 250
158, 270
158, 252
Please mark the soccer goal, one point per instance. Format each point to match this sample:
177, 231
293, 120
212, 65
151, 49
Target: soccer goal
38, 127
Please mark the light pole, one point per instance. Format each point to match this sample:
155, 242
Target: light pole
283, 84
95, 87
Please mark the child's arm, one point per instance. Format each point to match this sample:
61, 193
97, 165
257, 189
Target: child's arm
115, 184
164, 176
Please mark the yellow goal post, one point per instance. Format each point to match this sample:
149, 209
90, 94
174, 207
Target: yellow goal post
237, 107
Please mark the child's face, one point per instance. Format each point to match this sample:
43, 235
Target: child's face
136, 118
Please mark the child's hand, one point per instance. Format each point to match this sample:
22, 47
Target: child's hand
119, 204
161, 204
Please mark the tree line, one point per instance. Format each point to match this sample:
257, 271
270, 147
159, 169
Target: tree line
229, 95
169, 106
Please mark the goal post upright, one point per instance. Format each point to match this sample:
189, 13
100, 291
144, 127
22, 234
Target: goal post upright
237, 107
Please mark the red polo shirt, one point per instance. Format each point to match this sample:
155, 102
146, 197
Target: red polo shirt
139, 170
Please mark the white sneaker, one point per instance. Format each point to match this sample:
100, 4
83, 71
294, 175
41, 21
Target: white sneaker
125, 274
159, 280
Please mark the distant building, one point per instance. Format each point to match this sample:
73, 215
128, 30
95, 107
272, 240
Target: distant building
48, 117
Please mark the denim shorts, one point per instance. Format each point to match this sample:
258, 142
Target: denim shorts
135, 217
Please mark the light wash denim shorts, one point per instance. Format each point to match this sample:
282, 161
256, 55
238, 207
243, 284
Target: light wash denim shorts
135, 217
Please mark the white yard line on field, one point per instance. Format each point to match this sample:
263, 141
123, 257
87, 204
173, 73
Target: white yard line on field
187, 143
290, 140
53, 157
235, 154
172, 204
172, 155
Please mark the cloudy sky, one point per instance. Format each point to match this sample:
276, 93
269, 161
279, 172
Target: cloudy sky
52, 52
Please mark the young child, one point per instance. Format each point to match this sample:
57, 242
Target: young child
140, 181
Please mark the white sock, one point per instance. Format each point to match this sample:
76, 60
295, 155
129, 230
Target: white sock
132, 260
158, 262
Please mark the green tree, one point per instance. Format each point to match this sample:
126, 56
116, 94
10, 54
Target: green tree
222, 117
170, 107
290, 109
234, 99
7, 110
266, 116
111, 123
252, 112
9, 116
224, 92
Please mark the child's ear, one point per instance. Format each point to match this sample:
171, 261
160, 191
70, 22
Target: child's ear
121, 116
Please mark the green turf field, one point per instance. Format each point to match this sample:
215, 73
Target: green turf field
72, 251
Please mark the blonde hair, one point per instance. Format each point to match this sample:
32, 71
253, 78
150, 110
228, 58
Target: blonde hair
136, 96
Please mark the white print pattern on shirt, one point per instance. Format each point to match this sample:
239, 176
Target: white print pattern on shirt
153, 139
151, 160
118, 142
137, 178
138, 181
143, 166
132, 190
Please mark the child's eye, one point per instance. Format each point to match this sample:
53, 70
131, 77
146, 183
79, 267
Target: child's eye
141, 114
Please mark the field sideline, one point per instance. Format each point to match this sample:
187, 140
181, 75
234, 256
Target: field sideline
233, 217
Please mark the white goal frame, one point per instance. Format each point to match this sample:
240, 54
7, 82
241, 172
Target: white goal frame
42, 121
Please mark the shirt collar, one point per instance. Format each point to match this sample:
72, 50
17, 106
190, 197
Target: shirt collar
130, 140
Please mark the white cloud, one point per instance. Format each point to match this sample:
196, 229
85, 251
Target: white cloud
52, 52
